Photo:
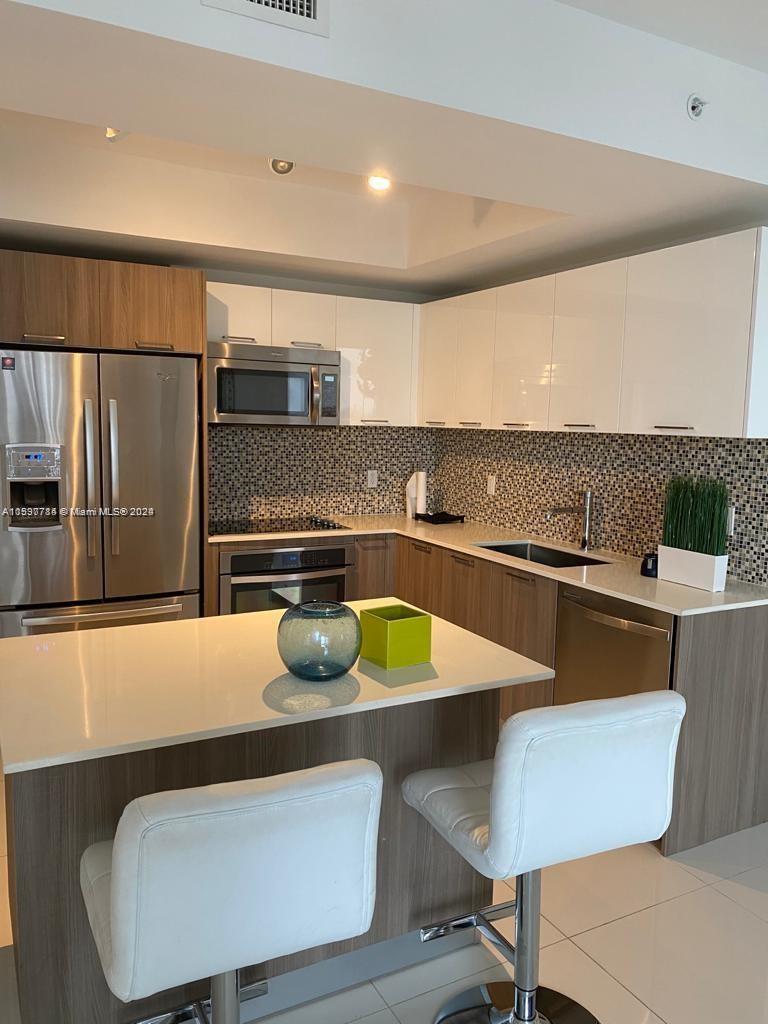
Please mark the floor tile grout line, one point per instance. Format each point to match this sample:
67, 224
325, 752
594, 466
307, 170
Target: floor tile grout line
426, 992
736, 902
632, 913
434, 988
620, 983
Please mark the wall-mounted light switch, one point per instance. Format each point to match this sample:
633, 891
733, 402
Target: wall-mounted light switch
372, 478
491, 486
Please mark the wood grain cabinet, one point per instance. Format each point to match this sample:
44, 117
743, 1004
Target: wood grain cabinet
149, 308
523, 617
418, 574
49, 300
374, 574
465, 596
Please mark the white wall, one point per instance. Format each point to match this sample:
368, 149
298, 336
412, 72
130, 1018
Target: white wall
530, 62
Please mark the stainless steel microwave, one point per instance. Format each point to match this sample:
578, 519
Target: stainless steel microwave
250, 383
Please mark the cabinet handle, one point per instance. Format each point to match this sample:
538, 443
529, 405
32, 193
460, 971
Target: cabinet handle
435, 423
307, 344
161, 346
521, 576
671, 426
54, 339
463, 561
238, 337
515, 424
423, 547
374, 421
470, 423
581, 426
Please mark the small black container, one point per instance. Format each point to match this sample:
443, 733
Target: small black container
650, 565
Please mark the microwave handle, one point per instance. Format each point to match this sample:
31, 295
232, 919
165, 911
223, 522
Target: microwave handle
315, 395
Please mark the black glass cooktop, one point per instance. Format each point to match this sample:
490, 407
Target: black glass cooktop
296, 524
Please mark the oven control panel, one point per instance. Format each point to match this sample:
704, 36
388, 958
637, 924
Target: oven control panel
297, 560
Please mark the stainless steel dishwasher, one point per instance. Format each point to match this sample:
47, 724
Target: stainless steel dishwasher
609, 648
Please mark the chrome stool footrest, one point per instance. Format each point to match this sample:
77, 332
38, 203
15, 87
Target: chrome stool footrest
493, 1004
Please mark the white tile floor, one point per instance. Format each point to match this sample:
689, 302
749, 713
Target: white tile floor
638, 939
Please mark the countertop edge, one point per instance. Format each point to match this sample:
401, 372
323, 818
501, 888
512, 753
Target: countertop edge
95, 754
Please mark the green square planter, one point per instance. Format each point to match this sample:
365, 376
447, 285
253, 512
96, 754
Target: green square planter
395, 636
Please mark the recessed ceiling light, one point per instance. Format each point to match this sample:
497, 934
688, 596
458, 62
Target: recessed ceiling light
379, 183
281, 166
110, 134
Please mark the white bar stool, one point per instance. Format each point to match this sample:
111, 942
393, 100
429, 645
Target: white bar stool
201, 882
566, 782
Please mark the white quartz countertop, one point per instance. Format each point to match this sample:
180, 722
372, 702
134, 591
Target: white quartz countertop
68, 697
618, 577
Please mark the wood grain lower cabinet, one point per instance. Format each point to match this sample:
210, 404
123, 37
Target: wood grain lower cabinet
374, 573
49, 300
151, 308
523, 617
418, 574
465, 596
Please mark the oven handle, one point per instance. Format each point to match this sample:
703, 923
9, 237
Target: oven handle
291, 578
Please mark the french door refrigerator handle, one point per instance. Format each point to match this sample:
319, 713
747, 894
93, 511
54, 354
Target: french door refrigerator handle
114, 472
90, 479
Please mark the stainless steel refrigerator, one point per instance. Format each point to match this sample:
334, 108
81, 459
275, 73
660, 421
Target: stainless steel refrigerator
100, 490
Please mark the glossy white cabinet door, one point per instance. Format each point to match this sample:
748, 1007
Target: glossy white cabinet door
240, 312
523, 354
587, 347
375, 340
303, 319
474, 364
439, 349
687, 338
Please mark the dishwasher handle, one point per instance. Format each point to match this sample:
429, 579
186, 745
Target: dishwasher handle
626, 625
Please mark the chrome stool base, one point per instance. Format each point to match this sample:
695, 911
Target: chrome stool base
492, 1004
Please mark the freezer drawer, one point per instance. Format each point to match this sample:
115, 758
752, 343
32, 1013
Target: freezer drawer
37, 621
609, 648
149, 423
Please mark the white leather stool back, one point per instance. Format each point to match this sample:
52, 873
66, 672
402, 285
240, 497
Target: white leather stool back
204, 881
581, 779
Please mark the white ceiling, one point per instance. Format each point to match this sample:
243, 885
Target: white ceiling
736, 30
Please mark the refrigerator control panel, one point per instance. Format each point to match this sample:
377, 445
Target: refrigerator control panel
33, 461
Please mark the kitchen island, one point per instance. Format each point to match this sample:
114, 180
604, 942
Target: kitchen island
91, 720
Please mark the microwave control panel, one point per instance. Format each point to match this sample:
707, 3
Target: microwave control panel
329, 394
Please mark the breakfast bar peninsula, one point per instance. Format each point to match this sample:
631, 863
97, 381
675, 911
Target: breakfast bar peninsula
91, 720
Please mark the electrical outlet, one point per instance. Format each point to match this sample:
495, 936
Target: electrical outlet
372, 478
491, 486
731, 520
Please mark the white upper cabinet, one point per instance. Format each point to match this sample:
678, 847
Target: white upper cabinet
523, 354
303, 319
476, 332
239, 312
687, 338
439, 350
587, 347
375, 339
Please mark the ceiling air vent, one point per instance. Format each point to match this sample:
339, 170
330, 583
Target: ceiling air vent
305, 15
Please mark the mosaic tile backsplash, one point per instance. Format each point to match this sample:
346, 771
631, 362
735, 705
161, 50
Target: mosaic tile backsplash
268, 471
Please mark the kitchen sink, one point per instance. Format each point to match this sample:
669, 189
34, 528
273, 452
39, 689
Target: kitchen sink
544, 556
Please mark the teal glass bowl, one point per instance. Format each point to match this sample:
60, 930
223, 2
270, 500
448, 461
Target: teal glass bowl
319, 640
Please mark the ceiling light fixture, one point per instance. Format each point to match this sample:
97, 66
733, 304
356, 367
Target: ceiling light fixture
281, 166
379, 183
110, 134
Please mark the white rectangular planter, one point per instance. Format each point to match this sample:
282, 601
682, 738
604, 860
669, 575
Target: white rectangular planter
692, 568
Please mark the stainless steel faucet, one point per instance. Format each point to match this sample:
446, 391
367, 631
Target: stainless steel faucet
585, 511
